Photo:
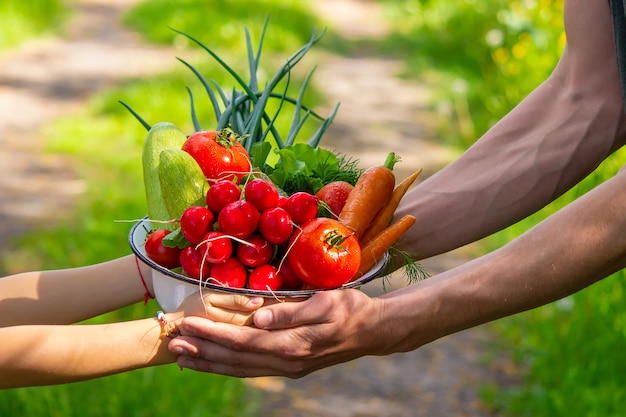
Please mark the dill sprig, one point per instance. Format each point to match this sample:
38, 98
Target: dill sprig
412, 270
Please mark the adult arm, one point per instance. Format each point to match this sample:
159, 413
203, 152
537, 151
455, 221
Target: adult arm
548, 143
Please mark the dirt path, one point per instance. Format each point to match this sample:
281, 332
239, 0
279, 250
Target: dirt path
379, 113
48, 78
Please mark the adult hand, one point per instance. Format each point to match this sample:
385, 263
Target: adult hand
290, 339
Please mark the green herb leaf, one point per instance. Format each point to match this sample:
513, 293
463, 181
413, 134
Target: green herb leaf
302, 167
259, 153
175, 239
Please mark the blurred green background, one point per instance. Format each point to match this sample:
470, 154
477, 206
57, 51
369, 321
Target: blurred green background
480, 58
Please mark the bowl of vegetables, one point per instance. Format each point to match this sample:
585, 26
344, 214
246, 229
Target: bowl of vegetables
172, 286
242, 208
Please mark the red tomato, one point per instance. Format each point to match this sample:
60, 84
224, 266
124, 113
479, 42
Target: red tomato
219, 154
324, 253
229, 274
335, 194
162, 255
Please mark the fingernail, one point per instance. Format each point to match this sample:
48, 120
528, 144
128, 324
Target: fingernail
185, 326
263, 318
179, 350
255, 301
188, 365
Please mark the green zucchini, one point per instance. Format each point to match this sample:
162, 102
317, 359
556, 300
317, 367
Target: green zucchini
183, 183
160, 137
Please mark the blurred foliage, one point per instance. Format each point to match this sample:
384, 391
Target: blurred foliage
481, 58
23, 20
221, 22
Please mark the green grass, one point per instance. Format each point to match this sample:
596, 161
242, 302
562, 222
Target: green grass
24, 20
159, 391
104, 142
571, 351
221, 22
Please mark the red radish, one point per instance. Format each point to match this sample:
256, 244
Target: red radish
229, 274
302, 207
193, 263
195, 222
275, 225
290, 279
238, 219
220, 194
263, 194
265, 277
282, 200
216, 247
256, 251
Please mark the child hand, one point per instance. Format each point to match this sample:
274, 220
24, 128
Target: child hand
220, 306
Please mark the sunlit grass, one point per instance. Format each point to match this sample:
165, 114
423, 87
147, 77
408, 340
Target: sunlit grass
24, 20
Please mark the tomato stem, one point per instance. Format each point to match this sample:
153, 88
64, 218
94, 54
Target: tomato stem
335, 239
227, 137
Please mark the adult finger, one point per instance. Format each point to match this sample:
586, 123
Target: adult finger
206, 356
242, 351
237, 338
320, 308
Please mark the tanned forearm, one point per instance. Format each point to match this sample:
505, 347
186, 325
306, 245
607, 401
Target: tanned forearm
547, 144
513, 171
576, 247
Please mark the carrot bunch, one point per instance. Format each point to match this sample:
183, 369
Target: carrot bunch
370, 207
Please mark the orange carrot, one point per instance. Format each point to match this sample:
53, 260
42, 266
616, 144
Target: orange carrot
385, 215
374, 250
371, 192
